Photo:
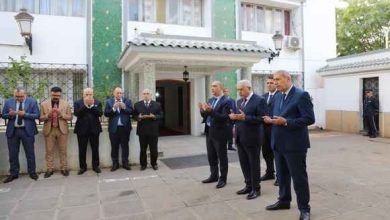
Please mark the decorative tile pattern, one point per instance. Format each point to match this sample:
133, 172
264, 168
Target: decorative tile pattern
106, 42
224, 27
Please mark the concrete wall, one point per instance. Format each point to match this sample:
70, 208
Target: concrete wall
73, 160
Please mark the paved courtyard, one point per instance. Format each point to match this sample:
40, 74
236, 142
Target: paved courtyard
349, 179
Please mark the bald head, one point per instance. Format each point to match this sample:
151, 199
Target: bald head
147, 94
118, 93
282, 80
88, 92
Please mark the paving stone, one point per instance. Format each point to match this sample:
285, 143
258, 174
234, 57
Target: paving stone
123, 208
180, 213
40, 215
79, 213
80, 200
31, 205
6, 208
118, 196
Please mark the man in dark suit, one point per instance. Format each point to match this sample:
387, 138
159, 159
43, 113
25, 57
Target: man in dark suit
147, 113
292, 114
248, 123
21, 112
370, 109
88, 127
118, 110
226, 93
266, 149
216, 112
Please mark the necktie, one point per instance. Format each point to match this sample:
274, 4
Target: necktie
243, 104
55, 116
282, 101
208, 120
20, 121
270, 99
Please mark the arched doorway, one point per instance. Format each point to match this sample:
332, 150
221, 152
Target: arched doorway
174, 97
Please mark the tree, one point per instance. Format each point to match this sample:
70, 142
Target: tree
19, 73
360, 26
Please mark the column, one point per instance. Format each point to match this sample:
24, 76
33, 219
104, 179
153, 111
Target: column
246, 73
207, 82
147, 79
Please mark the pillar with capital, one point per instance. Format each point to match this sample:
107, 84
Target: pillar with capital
246, 73
147, 79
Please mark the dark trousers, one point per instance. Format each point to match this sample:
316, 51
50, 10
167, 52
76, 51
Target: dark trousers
267, 151
20, 135
250, 164
293, 165
217, 152
120, 138
371, 126
83, 144
230, 137
144, 142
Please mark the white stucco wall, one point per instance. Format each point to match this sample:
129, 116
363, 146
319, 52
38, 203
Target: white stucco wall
56, 39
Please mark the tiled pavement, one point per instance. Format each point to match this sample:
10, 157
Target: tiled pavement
349, 179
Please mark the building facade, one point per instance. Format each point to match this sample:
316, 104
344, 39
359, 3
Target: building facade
147, 44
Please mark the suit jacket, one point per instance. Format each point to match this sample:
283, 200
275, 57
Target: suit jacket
88, 121
233, 105
298, 110
248, 131
148, 126
271, 102
32, 113
114, 116
220, 121
64, 116
370, 106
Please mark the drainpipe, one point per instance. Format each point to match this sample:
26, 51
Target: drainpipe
303, 46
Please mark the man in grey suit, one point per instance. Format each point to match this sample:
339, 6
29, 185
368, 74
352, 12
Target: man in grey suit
21, 112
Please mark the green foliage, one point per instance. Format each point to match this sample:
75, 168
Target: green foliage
360, 26
103, 89
20, 74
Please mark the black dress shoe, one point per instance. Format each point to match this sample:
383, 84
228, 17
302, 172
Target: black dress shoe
33, 176
126, 167
114, 167
48, 174
155, 167
373, 136
220, 184
253, 194
10, 178
143, 168
81, 171
232, 148
305, 215
277, 206
245, 190
65, 172
97, 170
276, 183
210, 180
267, 176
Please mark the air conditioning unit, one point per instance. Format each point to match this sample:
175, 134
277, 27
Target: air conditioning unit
293, 43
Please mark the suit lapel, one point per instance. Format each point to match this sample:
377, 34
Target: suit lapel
219, 102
